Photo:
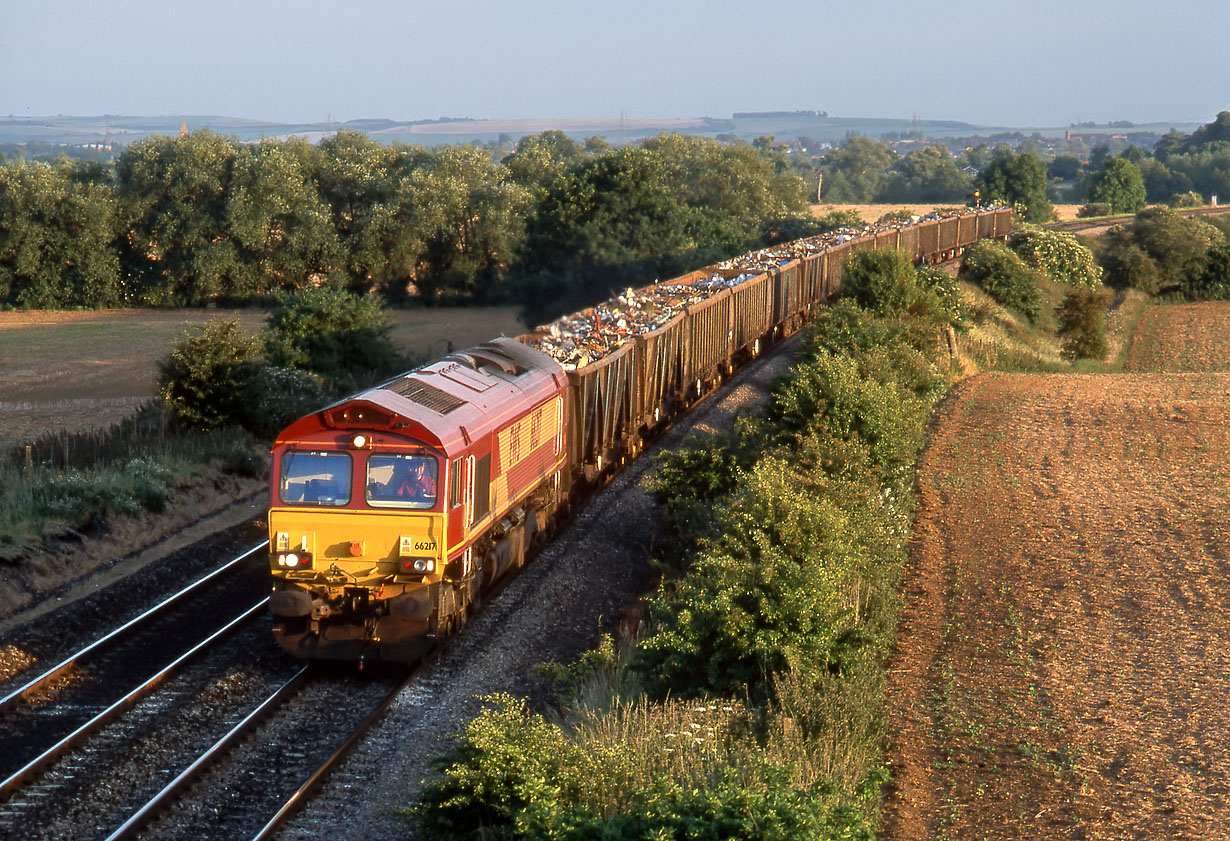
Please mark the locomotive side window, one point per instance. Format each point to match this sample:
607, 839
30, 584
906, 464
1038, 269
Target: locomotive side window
482, 489
401, 481
455, 497
315, 478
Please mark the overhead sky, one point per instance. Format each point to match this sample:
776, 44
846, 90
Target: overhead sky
1044, 63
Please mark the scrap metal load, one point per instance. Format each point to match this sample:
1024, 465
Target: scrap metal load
580, 339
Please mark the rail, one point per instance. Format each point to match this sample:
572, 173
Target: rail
113, 636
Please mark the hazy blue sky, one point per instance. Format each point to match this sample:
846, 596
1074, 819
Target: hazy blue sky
1048, 62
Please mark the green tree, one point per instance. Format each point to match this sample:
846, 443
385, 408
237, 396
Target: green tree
613, 221
541, 158
174, 194
1018, 180
357, 178
282, 228
57, 239
1217, 131
730, 182
1082, 324
1119, 184
464, 220
857, 172
931, 175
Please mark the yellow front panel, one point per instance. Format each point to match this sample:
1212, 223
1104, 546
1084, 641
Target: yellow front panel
333, 536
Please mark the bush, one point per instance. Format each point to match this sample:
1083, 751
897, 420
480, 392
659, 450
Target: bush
1188, 199
948, 293
1082, 324
513, 775
1093, 209
1212, 284
1058, 254
1131, 268
340, 336
881, 281
210, 378
998, 271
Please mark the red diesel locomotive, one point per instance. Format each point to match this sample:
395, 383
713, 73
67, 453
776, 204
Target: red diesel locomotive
395, 509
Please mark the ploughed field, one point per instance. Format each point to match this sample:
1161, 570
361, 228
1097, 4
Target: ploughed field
1063, 663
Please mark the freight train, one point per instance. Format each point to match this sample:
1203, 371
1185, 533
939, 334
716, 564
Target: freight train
395, 511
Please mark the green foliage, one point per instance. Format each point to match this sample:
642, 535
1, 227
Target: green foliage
1092, 210
1082, 324
1018, 180
128, 469
341, 337
947, 291
835, 219
512, 775
1120, 185
209, 379
1178, 249
1057, 254
614, 221
881, 281
1188, 199
998, 271
856, 173
930, 174
57, 237
1129, 267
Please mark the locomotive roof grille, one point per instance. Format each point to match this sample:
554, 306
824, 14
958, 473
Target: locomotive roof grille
426, 395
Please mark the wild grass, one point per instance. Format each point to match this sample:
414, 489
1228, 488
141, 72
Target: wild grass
78, 482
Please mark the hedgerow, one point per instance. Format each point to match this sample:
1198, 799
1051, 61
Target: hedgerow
752, 704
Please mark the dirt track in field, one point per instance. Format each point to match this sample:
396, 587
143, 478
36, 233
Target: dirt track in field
1063, 666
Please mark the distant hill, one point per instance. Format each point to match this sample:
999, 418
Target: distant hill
110, 132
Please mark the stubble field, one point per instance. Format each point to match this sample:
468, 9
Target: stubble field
1064, 638
89, 369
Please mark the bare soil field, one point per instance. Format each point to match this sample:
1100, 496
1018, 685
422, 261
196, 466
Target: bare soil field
88, 369
1063, 660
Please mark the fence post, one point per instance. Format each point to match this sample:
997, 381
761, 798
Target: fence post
29, 458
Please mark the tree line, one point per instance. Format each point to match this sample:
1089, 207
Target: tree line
1180, 170
203, 218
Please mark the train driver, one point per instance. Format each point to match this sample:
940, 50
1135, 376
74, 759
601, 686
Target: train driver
414, 482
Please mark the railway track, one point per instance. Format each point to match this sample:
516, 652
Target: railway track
1075, 226
171, 716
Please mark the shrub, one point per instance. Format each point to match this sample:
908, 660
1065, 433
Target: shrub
1058, 254
1130, 267
998, 271
1082, 324
210, 378
513, 775
1212, 284
901, 215
948, 293
881, 281
1093, 209
340, 336
1188, 199
835, 219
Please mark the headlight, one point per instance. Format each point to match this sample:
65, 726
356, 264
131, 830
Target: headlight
295, 560
419, 565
